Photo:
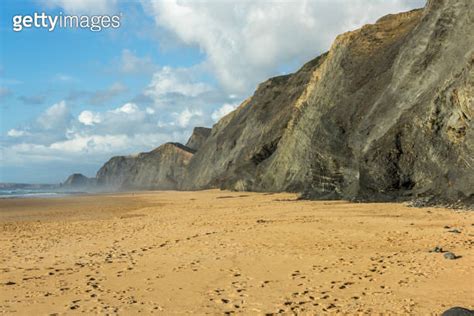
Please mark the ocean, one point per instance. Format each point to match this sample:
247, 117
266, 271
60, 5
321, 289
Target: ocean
31, 193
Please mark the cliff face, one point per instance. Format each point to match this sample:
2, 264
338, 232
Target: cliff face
198, 137
240, 142
386, 113
78, 180
161, 168
391, 114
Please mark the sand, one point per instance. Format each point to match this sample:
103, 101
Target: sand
215, 252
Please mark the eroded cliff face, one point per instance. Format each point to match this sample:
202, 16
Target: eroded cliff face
385, 114
241, 142
198, 137
160, 169
397, 129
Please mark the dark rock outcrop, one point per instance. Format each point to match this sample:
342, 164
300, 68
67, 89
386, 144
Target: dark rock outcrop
198, 137
78, 180
162, 168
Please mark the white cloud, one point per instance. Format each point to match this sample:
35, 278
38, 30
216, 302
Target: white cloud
82, 148
56, 116
247, 41
150, 110
16, 133
84, 6
91, 143
185, 117
176, 80
92, 137
223, 111
127, 108
89, 118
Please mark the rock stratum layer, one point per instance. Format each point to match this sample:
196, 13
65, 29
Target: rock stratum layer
385, 114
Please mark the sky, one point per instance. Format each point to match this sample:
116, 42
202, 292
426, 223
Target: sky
72, 98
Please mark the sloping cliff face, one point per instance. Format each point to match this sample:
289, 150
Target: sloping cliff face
391, 124
161, 169
240, 142
198, 137
386, 113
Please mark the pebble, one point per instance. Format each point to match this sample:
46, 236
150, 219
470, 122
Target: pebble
437, 249
450, 256
454, 231
458, 311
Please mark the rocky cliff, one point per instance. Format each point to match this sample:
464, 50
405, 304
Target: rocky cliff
198, 137
78, 180
396, 118
162, 169
385, 114
241, 142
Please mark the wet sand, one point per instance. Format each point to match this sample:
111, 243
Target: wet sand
215, 252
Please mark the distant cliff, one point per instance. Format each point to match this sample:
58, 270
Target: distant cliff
385, 114
77, 180
162, 168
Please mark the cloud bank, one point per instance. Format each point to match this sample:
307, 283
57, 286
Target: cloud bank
246, 41
177, 102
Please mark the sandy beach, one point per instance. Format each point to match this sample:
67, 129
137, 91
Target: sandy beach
216, 252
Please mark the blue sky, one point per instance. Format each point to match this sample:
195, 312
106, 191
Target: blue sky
70, 99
